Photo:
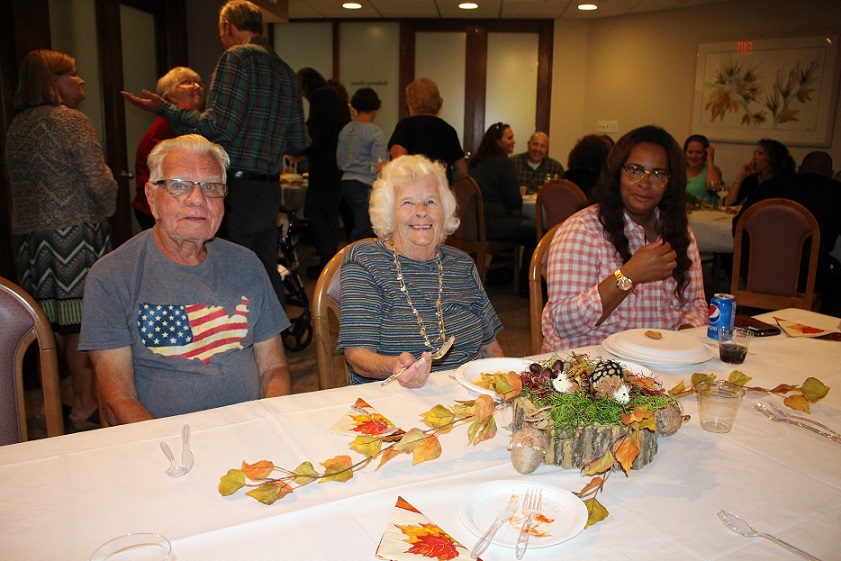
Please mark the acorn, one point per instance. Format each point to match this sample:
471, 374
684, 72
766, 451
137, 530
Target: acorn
528, 448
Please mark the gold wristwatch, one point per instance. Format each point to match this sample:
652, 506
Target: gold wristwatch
623, 283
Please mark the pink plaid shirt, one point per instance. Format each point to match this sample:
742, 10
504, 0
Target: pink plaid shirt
580, 257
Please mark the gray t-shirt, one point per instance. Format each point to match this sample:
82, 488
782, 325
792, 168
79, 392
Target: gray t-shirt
191, 329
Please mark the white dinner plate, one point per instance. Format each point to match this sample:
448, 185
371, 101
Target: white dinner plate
563, 515
653, 364
469, 372
673, 348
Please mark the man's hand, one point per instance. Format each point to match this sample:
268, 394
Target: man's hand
151, 104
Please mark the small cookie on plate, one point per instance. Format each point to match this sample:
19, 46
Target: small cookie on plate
651, 334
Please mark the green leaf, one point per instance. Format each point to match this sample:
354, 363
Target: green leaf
813, 389
739, 378
409, 441
267, 493
439, 417
304, 474
596, 512
337, 469
231, 482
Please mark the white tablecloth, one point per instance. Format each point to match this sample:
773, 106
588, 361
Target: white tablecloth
63, 497
713, 230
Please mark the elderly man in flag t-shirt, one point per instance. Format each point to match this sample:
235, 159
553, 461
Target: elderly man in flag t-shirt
176, 320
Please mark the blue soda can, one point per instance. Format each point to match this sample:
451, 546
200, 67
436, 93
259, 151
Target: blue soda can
722, 313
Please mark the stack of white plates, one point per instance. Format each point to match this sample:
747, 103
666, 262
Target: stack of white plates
673, 349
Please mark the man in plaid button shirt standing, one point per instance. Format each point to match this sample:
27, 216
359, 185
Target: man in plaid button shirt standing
254, 111
535, 166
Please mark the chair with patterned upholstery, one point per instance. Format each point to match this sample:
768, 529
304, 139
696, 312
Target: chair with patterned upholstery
769, 260
23, 323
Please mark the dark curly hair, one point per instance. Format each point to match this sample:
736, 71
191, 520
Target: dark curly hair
489, 147
365, 100
673, 221
779, 159
589, 153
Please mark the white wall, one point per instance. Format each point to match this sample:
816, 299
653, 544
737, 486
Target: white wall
640, 69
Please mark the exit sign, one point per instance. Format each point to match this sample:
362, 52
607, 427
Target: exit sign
744, 47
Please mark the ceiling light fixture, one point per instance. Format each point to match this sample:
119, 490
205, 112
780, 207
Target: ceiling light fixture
468, 5
352, 6
587, 7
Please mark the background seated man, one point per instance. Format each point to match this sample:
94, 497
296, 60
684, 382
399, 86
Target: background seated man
174, 319
535, 165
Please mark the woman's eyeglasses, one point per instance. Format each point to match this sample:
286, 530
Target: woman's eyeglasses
658, 177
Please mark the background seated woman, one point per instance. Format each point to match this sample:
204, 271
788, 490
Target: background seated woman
703, 177
407, 293
630, 260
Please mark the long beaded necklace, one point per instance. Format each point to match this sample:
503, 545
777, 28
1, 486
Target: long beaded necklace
438, 311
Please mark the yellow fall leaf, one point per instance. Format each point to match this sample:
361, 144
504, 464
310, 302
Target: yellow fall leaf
367, 445
410, 440
626, 453
739, 378
481, 430
439, 417
258, 470
798, 402
387, 455
699, 377
231, 482
813, 389
268, 493
463, 408
596, 512
338, 469
600, 465
428, 449
304, 473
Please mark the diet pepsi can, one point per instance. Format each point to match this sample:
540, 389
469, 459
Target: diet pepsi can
722, 313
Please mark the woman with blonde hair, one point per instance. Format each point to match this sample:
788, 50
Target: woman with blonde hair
62, 196
406, 294
423, 132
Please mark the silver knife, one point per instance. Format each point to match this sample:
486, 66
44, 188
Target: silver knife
485, 540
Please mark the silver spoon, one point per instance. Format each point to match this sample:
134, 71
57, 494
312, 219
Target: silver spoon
434, 356
743, 528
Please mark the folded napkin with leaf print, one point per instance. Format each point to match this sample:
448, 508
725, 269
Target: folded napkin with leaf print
411, 536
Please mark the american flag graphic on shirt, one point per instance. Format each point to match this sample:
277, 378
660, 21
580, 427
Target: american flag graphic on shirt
193, 331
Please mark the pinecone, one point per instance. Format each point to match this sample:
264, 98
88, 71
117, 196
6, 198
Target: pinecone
604, 369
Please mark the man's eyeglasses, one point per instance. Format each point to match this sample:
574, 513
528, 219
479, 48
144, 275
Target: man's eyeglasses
181, 187
658, 177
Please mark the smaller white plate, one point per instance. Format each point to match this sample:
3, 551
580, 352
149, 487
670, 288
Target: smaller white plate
563, 515
700, 353
468, 373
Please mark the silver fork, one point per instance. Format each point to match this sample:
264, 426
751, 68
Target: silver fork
784, 419
786, 414
532, 505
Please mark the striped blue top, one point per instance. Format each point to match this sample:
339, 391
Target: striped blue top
376, 316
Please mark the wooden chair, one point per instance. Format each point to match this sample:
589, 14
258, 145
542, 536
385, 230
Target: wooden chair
539, 259
470, 236
23, 322
777, 231
559, 199
327, 299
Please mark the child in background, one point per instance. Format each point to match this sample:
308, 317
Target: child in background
361, 153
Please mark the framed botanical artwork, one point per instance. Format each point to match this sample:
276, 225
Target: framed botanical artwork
785, 89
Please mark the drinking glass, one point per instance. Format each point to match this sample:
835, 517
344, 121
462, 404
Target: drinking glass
140, 546
718, 403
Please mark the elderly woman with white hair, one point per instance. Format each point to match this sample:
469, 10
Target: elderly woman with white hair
406, 294
182, 86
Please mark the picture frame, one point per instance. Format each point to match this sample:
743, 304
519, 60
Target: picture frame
785, 89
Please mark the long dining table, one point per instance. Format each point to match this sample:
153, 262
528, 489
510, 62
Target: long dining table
713, 229
60, 498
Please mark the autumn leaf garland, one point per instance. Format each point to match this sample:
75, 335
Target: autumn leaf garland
267, 482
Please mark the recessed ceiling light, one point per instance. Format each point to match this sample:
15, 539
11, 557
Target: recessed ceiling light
587, 7
352, 6
468, 5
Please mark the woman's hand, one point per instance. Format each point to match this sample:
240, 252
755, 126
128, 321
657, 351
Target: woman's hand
651, 263
151, 103
417, 371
